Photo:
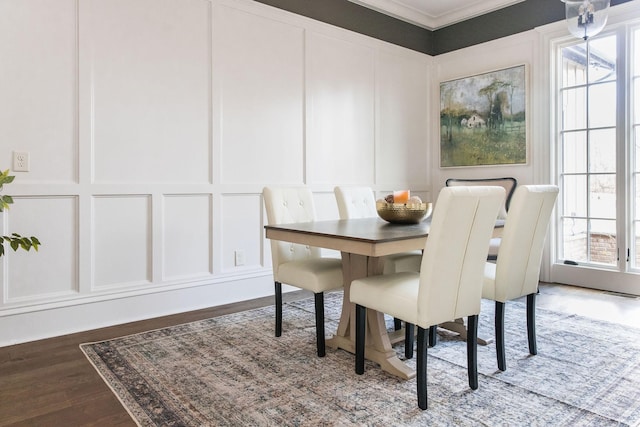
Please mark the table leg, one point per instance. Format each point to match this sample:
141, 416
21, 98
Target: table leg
378, 347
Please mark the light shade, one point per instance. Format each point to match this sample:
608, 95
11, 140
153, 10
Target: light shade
586, 18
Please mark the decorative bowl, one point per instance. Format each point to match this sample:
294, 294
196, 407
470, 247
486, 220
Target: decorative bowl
403, 213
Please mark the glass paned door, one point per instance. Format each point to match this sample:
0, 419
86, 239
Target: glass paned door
597, 229
588, 152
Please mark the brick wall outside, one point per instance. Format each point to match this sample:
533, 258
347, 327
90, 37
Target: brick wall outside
603, 248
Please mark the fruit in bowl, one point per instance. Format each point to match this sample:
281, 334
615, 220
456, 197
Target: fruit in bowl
412, 211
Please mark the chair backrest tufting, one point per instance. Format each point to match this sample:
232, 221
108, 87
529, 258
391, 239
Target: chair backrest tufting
355, 202
289, 205
452, 269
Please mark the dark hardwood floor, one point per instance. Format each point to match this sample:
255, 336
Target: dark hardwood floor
50, 382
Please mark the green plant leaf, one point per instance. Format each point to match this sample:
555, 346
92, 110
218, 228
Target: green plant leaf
15, 241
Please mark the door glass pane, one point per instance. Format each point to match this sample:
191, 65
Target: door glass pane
636, 95
602, 150
602, 59
574, 109
575, 240
602, 196
637, 242
574, 152
636, 132
604, 247
574, 60
636, 56
575, 195
602, 105
636, 215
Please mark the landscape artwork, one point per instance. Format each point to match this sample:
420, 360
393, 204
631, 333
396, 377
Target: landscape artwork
483, 119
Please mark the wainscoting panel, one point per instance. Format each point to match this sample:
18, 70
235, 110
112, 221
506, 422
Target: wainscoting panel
187, 236
340, 111
402, 119
38, 87
51, 272
242, 232
150, 82
122, 241
259, 83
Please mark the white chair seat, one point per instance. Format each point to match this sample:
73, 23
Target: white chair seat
392, 294
315, 274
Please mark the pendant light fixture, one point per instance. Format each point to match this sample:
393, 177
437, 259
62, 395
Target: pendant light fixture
586, 18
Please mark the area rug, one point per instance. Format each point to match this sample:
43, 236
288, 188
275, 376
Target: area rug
232, 371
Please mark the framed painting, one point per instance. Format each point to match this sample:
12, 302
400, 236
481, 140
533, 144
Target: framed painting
483, 119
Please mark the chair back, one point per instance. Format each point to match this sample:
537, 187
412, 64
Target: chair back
508, 183
355, 202
520, 253
284, 206
451, 274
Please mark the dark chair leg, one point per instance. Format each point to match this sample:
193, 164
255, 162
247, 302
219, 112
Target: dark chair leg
397, 324
531, 323
433, 335
472, 351
421, 368
499, 327
409, 330
361, 315
278, 308
319, 299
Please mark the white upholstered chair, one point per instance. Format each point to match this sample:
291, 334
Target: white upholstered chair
449, 284
517, 269
360, 202
508, 183
299, 265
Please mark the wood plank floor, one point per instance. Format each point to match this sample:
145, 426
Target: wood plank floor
50, 382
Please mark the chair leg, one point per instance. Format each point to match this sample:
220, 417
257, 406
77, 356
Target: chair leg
499, 327
361, 315
278, 286
433, 335
397, 324
531, 323
472, 351
421, 368
319, 300
409, 330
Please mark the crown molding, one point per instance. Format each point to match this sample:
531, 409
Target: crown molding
432, 18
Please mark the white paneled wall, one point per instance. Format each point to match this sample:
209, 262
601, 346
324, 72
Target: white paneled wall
259, 79
147, 64
340, 103
152, 127
39, 87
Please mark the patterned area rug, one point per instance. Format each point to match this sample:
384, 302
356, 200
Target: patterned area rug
232, 371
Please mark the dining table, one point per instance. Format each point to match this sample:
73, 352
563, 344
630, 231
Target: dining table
363, 243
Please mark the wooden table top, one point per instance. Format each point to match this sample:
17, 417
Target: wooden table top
365, 236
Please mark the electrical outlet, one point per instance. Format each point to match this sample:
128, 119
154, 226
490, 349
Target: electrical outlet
20, 161
239, 257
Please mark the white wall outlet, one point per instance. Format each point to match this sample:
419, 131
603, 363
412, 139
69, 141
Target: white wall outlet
239, 257
20, 161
